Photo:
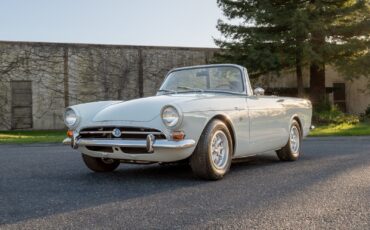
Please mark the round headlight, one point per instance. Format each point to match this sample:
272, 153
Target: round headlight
170, 116
70, 117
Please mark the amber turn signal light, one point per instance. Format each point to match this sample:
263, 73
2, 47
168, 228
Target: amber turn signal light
178, 135
69, 133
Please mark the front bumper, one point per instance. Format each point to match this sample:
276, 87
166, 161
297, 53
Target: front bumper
161, 150
131, 143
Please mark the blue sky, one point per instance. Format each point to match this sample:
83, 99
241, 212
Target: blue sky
135, 22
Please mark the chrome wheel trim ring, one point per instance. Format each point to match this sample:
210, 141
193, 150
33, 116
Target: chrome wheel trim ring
294, 140
219, 150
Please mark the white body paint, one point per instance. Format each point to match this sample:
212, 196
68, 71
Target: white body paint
258, 123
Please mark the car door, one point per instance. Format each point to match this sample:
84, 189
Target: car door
267, 121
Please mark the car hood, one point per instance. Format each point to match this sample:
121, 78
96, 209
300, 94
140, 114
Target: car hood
143, 109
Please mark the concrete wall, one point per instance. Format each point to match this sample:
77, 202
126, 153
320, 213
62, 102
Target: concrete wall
357, 89
68, 74
42, 66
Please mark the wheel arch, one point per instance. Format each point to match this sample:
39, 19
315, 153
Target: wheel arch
227, 121
296, 118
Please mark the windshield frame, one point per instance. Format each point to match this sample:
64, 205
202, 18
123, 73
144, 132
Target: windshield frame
240, 68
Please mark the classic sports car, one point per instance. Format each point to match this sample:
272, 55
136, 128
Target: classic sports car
205, 115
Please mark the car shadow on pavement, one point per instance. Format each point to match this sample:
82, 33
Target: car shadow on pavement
79, 188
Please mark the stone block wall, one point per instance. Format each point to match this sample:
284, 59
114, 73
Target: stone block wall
68, 74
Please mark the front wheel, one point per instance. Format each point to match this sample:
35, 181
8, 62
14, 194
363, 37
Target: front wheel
100, 164
292, 150
212, 157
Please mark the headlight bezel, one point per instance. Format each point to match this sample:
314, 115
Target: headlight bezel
178, 112
78, 118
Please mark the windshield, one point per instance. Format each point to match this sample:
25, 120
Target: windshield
216, 79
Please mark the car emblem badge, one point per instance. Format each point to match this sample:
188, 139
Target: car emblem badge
116, 132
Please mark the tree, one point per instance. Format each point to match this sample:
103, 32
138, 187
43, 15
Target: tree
284, 34
339, 35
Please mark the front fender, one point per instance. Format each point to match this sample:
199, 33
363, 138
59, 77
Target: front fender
194, 123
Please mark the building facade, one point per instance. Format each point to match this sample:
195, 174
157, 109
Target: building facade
350, 94
38, 80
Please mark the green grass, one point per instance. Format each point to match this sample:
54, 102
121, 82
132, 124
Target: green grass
27, 137
360, 129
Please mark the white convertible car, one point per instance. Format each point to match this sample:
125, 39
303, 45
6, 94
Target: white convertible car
206, 115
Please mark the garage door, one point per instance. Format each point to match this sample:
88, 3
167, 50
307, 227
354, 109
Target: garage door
21, 104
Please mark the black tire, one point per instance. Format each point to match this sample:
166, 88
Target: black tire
201, 161
286, 153
100, 165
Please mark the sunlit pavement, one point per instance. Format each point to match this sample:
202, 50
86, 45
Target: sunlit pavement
49, 187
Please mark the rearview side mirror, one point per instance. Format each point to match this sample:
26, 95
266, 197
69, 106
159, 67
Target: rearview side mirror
259, 91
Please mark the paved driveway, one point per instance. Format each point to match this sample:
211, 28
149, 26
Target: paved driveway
48, 186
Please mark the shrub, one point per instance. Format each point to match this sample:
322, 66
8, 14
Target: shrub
324, 106
366, 115
367, 112
347, 119
325, 115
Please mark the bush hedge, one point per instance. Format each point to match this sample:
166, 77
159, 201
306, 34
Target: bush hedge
325, 114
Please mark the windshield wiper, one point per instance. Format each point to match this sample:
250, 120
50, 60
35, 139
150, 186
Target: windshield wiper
167, 90
190, 89
221, 91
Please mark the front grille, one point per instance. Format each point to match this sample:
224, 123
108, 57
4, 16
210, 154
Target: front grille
127, 133
123, 149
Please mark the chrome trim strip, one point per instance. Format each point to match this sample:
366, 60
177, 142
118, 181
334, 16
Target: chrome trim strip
124, 132
96, 132
132, 143
147, 133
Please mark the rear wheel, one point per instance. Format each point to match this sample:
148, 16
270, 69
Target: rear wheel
100, 164
292, 150
212, 156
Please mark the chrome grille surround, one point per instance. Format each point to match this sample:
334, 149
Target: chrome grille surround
136, 133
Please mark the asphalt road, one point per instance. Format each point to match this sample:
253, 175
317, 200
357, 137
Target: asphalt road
48, 187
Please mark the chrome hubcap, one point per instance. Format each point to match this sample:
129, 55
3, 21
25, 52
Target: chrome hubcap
219, 149
294, 140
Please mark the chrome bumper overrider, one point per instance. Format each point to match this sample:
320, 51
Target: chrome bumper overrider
149, 143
